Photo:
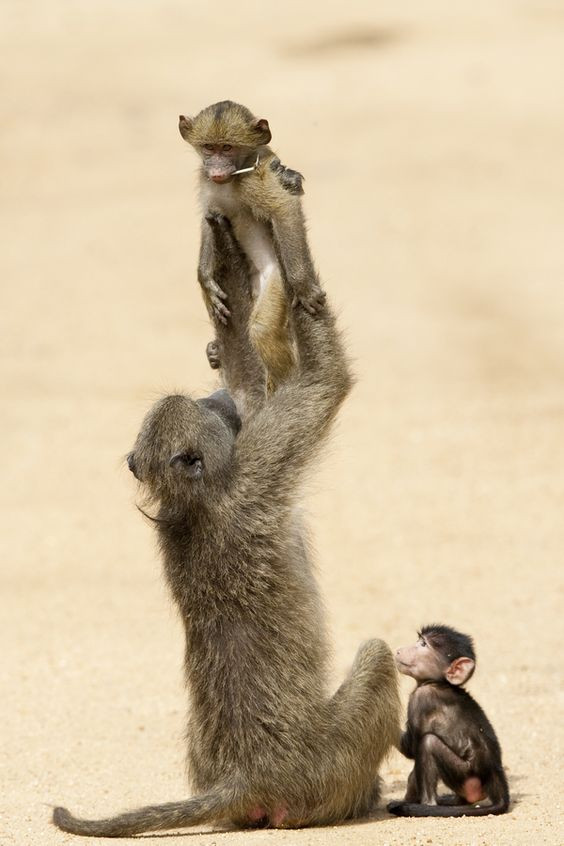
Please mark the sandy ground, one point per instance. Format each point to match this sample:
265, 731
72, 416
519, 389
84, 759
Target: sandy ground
432, 138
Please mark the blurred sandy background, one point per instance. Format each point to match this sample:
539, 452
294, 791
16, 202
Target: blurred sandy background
432, 138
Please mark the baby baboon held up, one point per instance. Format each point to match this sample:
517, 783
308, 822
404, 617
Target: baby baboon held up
242, 178
267, 746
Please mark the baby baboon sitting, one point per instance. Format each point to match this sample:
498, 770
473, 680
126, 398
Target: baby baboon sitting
267, 745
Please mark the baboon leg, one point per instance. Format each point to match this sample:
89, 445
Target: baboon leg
365, 709
270, 333
454, 771
412, 794
370, 691
242, 370
427, 770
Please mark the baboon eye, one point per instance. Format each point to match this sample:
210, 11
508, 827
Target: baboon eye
208, 148
227, 147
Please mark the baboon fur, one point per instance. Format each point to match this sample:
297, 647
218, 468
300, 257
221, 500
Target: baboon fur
266, 213
267, 745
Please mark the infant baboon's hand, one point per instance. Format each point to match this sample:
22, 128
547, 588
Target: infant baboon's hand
291, 180
312, 299
216, 297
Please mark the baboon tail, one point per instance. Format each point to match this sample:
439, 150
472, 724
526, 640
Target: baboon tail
210, 807
413, 809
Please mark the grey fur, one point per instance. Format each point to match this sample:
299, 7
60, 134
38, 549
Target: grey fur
266, 743
291, 180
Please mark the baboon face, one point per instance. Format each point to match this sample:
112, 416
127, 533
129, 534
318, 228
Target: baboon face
224, 134
437, 655
420, 661
184, 443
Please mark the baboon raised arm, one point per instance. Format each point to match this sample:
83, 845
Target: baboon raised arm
242, 370
282, 439
289, 427
292, 423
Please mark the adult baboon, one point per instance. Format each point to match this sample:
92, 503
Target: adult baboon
267, 745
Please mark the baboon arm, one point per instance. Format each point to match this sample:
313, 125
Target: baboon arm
242, 371
290, 237
214, 295
283, 437
205, 259
407, 743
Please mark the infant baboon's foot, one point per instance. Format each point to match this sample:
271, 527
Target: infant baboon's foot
212, 352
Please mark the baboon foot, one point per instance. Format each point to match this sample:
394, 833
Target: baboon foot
212, 352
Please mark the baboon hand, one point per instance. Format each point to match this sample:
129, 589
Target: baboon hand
291, 180
216, 298
312, 299
217, 219
212, 352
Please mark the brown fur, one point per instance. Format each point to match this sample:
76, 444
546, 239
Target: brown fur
447, 734
267, 745
265, 210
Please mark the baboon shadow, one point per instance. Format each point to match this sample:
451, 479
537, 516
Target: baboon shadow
377, 816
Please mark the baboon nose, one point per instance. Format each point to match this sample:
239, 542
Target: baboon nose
131, 463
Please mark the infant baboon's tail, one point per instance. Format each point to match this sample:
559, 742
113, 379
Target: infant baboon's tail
211, 807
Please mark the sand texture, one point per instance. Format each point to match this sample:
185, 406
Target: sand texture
431, 136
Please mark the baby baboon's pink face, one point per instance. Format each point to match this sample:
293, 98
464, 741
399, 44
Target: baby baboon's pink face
430, 660
420, 661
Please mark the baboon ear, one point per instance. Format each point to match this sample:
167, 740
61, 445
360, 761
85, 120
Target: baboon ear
263, 130
185, 127
188, 463
460, 670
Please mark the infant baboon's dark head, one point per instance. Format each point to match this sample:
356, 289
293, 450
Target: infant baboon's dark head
185, 444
